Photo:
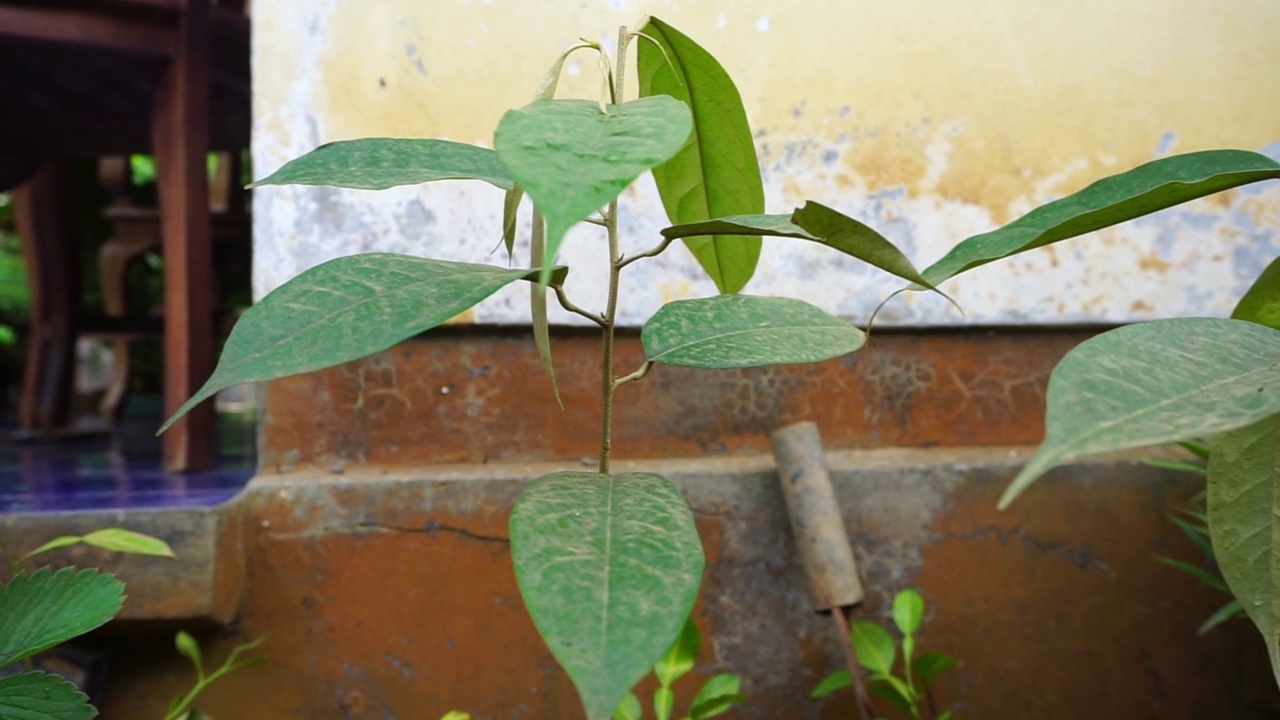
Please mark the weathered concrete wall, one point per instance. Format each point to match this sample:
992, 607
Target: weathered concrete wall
389, 594
931, 120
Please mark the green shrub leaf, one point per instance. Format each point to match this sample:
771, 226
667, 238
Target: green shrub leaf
40, 696
716, 697
908, 611
381, 163
837, 680
629, 709
128, 541
1155, 383
608, 566
682, 656
42, 610
1261, 303
874, 646
717, 173
1244, 492
736, 331
930, 666
1112, 200
345, 309
892, 689
572, 158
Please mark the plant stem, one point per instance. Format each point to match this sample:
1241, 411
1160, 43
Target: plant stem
569, 306
632, 377
865, 711
652, 252
607, 385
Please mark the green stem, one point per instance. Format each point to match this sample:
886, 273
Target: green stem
608, 385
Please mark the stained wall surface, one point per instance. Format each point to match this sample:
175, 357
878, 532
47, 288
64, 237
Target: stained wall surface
930, 120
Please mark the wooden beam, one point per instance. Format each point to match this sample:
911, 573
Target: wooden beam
85, 28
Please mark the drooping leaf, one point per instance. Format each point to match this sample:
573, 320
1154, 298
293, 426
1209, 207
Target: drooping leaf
629, 708
682, 656
572, 157
837, 680
1143, 190
753, 225
1244, 493
190, 649
608, 566
852, 237
128, 541
716, 697
892, 689
40, 696
736, 331
873, 645
54, 544
717, 172
1221, 615
538, 305
42, 610
908, 611
930, 666
1155, 383
1261, 303
345, 309
381, 163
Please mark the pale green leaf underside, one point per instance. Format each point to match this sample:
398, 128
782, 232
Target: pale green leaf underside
717, 173
1261, 303
40, 696
346, 309
42, 610
737, 331
381, 163
608, 567
572, 158
1244, 486
1143, 190
1154, 383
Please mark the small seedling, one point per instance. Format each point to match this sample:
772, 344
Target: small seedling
717, 695
180, 708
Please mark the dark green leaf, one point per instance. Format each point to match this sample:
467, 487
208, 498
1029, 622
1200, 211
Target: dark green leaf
128, 541
1198, 534
908, 611
1155, 383
380, 163
42, 610
735, 331
716, 697
754, 225
837, 680
717, 172
1244, 493
1198, 449
629, 709
930, 666
1143, 190
1175, 465
40, 696
854, 238
892, 689
1261, 303
573, 158
873, 645
1223, 614
608, 567
1195, 571
345, 309
680, 659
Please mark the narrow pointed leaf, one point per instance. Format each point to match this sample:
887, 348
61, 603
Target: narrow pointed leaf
128, 541
1261, 303
1196, 572
54, 544
510, 216
1244, 494
573, 158
538, 305
608, 566
736, 331
755, 225
873, 645
854, 238
345, 309
1176, 465
717, 173
1221, 615
1155, 383
41, 696
1112, 200
908, 611
837, 680
1198, 534
716, 697
42, 610
930, 666
381, 163
680, 659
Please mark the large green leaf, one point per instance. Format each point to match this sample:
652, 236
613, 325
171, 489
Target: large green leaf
1244, 490
345, 309
1261, 303
1155, 383
40, 696
608, 566
380, 163
1143, 190
42, 610
736, 331
572, 157
717, 173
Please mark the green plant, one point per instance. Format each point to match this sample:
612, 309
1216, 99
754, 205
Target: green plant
624, 546
876, 652
717, 695
180, 708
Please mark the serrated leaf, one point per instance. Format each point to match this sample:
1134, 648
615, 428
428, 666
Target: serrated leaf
608, 566
380, 163
629, 709
716, 697
736, 331
346, 309
1261, 302
40, 696
1143, 190
837, 680
930, 666
874, 646
908, 611
42, 610
128, 541
717, 173
682, 656
572, 158
1155, 383
1221, 615
1244, 493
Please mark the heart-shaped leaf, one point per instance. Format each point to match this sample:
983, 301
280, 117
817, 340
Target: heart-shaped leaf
717, 173
42, 610
736, 331
608, 566
346, 309
572, 157
40, 696
380, 163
